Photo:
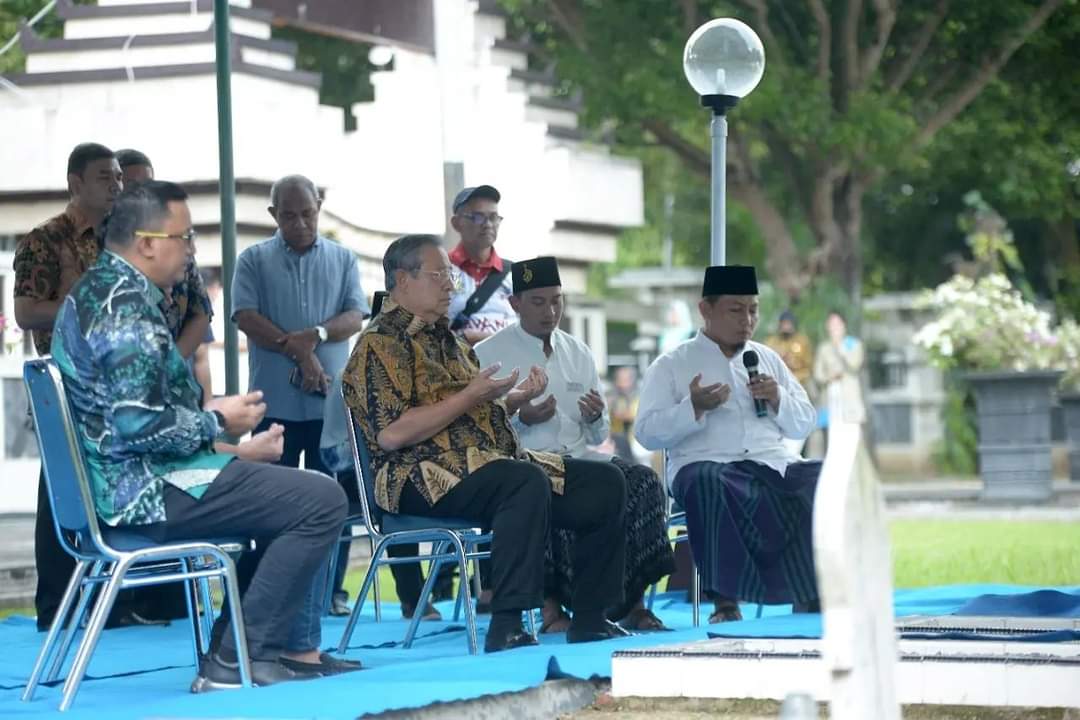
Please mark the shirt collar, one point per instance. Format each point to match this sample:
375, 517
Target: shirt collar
463, 261
78, 219
285, 246
153, 292
534, 341
397, 317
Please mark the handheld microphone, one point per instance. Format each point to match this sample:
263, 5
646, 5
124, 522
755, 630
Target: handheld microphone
750, 362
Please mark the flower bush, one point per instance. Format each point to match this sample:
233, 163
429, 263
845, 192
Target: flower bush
986, 324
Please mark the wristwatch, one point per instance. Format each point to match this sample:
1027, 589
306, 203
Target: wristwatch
323, 334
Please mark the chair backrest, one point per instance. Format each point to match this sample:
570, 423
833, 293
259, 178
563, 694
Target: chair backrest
364, 475
62, 460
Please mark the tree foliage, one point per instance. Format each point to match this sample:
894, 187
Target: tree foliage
856, 94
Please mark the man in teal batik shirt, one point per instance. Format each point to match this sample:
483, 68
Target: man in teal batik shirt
149, 444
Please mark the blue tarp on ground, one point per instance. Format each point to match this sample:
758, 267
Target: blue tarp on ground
141, 672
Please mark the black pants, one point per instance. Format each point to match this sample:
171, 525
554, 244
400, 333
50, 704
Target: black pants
54, 566
295, 519
514, 498
301, 436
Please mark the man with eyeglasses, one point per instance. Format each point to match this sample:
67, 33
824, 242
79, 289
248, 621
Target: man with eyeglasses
149, 441
480, 306
187, 307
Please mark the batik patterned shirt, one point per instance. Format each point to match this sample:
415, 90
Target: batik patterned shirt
51, 258
136, 406
187, 299
401, 362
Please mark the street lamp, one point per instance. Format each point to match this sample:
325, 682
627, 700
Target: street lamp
723, 61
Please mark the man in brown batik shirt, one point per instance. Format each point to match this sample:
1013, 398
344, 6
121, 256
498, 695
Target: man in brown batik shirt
48, 261
441, 445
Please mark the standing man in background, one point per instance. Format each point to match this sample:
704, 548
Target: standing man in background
48, 261
297, 297
797, 352
480, 305
187, 308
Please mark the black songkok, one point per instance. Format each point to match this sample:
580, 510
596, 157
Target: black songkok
533, 274
729, 280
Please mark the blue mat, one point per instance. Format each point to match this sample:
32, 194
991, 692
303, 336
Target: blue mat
141, 672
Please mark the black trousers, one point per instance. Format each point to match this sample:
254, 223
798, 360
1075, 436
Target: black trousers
514, 499
54, 566
295, 519
301, 436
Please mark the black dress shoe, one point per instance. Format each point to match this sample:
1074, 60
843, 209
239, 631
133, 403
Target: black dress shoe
508, 640
217, 674
130, 618
814, 606
592, 632
327, 665
339, 604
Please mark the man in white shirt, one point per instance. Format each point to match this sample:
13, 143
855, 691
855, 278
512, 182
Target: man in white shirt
748, 499
567, 421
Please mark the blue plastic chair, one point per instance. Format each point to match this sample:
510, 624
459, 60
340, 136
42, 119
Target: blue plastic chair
107, 558
452, 540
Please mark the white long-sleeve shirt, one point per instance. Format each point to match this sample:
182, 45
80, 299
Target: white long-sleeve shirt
731, 432
571, 373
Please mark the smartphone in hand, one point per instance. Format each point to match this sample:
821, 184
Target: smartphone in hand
296, 378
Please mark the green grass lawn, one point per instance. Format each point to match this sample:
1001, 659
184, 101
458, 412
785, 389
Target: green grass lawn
930, 552
947, 552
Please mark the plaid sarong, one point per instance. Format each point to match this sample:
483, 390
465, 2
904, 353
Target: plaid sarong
751, 529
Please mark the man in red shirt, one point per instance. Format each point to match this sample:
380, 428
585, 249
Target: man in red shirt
480, 305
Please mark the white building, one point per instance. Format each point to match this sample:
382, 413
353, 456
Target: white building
141, 74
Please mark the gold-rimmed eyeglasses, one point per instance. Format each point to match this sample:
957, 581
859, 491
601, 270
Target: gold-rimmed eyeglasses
188, 237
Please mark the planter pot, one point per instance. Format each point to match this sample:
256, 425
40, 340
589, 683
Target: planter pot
1070, 404
1013, 410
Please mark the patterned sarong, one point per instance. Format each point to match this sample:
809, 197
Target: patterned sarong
751, 529
648, 551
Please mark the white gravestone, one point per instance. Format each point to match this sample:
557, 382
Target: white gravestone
854, 572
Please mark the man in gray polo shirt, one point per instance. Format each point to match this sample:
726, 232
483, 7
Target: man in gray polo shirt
297, 297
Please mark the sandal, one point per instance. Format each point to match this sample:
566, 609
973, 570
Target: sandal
728, 612
643, 619
430, 613
558, 624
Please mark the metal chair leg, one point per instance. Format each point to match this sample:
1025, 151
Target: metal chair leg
695, 595
470, 611
59, 620
232, 591
207, 615
652, 595
93, 633
331, 573
375, 587
369, 576
76, 621
191, 602
437, 548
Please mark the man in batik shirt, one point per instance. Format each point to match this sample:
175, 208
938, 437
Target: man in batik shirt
149, 445
442, 446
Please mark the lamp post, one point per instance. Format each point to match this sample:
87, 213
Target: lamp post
723, 61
